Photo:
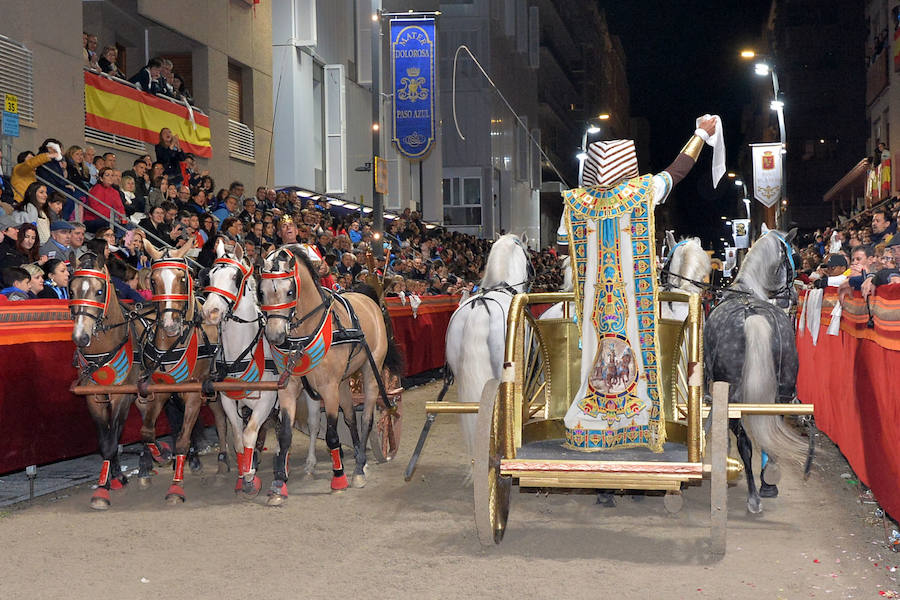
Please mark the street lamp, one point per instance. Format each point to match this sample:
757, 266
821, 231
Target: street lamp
591, 129
764, 68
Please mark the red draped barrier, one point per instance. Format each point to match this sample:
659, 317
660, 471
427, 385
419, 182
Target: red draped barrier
852, 380
42, 422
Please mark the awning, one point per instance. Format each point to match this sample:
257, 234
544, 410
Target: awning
853, 184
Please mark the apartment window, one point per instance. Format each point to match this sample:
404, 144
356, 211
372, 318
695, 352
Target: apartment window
235, 93
462, 201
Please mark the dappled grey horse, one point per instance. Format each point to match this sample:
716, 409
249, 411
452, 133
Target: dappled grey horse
749, 342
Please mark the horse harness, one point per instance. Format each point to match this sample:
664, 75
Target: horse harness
111, 367
297, 356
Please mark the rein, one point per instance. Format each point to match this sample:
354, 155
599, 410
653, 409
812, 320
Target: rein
171, 263
294, 275
232, 299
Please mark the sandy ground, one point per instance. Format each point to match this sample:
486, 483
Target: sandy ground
417, 540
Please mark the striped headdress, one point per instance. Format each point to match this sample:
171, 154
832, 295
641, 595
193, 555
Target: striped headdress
610, 162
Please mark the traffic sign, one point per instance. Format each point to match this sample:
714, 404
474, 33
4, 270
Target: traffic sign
11, 104
10, 126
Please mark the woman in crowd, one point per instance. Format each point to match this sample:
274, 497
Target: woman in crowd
168, 152
127, 188
34, 210
55, 206
36, 284
76, 169
56, 280
103, 198
107, 62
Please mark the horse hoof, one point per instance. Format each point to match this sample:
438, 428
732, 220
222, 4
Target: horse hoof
754, 506
277, 495
223, 466
175, 495
309, 475
339, 484
195, 464
359, 480
100, 499
606, 500
251, 489
768, 491
144, 482
771, 474
117, 484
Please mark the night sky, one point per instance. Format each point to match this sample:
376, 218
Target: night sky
682, 61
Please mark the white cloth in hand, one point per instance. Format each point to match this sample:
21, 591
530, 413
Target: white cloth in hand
55, 151
717, 141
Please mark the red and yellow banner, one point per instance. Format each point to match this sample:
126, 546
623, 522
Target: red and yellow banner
122, 110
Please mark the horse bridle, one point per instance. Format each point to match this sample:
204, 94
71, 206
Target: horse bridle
231, 299
186, 298
787, 260
78, 304
510, 288
294, 276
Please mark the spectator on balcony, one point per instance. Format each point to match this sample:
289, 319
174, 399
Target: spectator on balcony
181, 92
16, 281
165, 78
248, 215
168, 152
107, 62
97, 163
25, 170
190, 175
890, 274
147, 79
89, 154
34, 210
157, 194
89, 52
27, 246
172, 193
121, 275
104, 197
56, 280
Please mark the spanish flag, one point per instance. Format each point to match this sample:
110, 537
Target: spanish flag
123, 110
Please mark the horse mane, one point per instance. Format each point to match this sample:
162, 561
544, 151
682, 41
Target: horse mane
568, 284
498, 267
757, 274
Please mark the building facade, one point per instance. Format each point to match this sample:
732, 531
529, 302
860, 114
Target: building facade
222, 50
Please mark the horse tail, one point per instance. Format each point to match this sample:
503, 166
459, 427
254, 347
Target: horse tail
759, 385
394, 361
475, 369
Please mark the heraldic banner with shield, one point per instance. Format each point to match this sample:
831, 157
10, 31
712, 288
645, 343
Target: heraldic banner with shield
412, 58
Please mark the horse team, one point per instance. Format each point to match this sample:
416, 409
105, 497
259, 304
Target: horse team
306, 338
310, 340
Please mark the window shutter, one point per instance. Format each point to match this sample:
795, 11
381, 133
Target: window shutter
17, 76
235, 106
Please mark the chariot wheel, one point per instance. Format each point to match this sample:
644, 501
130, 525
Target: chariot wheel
492, 490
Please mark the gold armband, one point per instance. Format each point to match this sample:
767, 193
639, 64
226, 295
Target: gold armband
693, 147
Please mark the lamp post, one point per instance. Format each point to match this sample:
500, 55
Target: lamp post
765, 67
591, 129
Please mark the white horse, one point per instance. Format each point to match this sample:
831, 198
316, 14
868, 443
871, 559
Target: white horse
231, 303
686, 266
477, 331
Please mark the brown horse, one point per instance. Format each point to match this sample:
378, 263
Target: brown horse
318, 339
178, 349
104, 342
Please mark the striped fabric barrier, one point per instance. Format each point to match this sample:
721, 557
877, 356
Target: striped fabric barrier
852, 380
123, 110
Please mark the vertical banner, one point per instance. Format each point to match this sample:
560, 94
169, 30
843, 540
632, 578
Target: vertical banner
730, 261
740, 230
767, 175
412, 82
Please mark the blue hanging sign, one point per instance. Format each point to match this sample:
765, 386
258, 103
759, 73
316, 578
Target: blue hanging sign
412, 60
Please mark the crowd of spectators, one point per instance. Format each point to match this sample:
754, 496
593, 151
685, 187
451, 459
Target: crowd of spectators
861, 252
171, 202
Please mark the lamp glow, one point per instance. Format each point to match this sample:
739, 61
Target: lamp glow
593, 129
761, 69
748, 54
581, 156
776, 104
738, 182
